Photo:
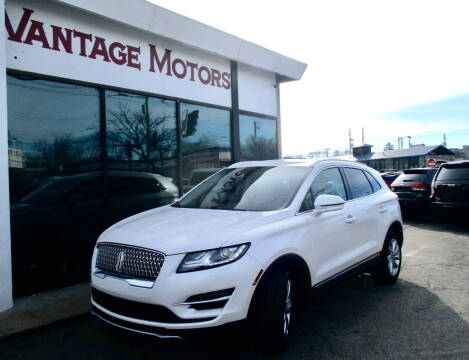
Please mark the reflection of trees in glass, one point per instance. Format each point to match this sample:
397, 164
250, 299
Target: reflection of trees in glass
63, 154
141, 133
259, 148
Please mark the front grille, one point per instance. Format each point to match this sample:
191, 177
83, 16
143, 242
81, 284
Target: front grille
129, 262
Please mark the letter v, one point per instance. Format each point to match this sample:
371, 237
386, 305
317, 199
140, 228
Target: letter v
16, 36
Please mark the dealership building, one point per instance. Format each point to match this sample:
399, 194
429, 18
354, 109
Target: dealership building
109, 108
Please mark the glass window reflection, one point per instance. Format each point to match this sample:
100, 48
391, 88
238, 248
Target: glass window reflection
53, 154
206, 142
258, 138
142, 153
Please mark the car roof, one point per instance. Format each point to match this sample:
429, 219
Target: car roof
455, 162
292, 162
424, 168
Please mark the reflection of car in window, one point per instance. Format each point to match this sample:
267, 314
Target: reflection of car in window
55, 227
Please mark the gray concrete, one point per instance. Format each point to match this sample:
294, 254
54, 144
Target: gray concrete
425, 315
44, 309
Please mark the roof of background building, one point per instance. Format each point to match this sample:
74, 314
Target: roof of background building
410, 152
143, 15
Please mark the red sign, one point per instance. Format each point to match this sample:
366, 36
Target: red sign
431, 163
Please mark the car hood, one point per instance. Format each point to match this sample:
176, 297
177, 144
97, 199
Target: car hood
173, 230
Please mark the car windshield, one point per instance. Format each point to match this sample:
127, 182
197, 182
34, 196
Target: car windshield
250, 188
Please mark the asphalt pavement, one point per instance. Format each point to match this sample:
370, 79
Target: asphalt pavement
425, 315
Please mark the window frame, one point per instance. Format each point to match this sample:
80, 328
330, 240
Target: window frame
368, 175
342, 175
350, 193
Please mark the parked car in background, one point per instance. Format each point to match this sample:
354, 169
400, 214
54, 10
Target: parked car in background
390, 176
246, 244
413, 187
450, 187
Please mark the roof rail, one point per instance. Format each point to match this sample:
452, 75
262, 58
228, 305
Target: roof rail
335, 159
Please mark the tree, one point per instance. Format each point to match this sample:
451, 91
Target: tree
140, 133
260, 148
388, 146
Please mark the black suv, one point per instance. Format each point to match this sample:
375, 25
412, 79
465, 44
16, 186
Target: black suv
413, 188
450, 188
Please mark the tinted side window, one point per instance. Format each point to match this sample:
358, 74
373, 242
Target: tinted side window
359, 184
328, 182
90, 189
374, 183
121, 186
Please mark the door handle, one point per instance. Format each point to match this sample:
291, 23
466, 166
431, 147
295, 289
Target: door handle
350, 219
382, 209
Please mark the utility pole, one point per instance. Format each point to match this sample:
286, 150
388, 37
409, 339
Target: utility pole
444, 140
256, 127
363, 135
350, 140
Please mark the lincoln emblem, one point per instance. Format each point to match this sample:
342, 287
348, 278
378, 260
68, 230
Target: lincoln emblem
120, 260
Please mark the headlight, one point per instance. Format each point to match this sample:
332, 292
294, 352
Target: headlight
207, 259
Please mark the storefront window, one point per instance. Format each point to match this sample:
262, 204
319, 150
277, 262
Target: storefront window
258, 137
54, 159
206, 144
142, 153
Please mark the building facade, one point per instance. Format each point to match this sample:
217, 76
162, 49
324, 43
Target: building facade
461, 154
112, 108
413, 157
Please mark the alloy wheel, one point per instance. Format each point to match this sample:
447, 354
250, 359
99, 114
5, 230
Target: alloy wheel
287, 310
394, 257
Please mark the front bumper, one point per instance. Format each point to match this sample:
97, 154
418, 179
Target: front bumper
172, 289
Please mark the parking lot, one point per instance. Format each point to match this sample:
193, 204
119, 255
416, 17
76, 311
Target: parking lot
424, 315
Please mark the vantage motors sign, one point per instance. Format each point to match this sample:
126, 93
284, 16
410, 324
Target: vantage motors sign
47, 38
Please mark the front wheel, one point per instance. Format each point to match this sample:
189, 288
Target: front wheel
272, 315
389, 266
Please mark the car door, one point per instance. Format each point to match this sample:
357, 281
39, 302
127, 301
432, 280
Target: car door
85, 221
368, 213
328, 233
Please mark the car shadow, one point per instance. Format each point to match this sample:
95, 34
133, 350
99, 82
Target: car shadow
355, 318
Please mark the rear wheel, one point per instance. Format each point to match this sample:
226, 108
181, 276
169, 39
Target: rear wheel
389, 266
272, 313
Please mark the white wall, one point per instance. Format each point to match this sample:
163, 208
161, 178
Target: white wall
5, 252
37, 56
257, 90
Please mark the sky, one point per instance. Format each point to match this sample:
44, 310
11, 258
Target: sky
396, 68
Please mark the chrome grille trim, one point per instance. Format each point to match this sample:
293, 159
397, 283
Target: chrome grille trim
135, 263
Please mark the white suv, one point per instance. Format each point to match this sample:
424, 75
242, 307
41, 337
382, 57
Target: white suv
245, 244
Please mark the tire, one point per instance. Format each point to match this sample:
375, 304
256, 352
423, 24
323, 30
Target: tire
271, 318
389, 266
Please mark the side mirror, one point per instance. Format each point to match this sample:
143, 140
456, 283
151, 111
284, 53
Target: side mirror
325, 203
